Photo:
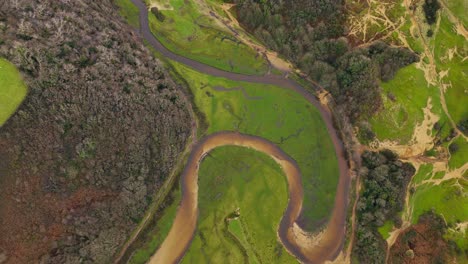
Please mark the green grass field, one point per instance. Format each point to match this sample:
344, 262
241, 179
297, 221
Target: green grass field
398, 118
281, 116
447, 41
273, 113
234, 178
448, 199
460, 157
237, 229
192, 33
386, 229
12, 90
424, 173
129, 11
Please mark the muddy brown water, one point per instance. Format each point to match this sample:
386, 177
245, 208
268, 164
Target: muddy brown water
178, 240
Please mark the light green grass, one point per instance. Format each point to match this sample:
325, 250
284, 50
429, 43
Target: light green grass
446, 38
424, 173
231, 178
129, 11
235, 227
275, 117
459, 8
449, 199
281, 116
397, 120
460, 157
385, 230
459, 237
12, 90
193, 34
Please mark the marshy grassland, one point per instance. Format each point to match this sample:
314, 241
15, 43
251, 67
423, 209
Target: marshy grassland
281, 116
234, 180
188, 29
272, 113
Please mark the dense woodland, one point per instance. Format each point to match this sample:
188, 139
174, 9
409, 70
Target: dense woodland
100, 129
385, 180
430, 8
312, 34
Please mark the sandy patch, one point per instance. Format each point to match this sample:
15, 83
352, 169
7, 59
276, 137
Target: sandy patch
161, 4
421, 140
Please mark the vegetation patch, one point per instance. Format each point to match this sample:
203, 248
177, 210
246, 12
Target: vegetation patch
236, 228
129, 11
450, 52
448, 199
274, 113
404, 98
188, 29
424, 242
458, 152
424, 173
385, 179
235, 179
12, 90
385, 230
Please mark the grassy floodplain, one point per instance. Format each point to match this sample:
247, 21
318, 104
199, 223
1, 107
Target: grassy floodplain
398, 118
233, 178
189, 30
12, 90
273, 113
281, 116
459, 158
264, 110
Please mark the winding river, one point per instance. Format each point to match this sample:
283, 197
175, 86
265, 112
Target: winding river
306, 249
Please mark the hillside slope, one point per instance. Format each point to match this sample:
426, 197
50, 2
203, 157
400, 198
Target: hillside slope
100, 129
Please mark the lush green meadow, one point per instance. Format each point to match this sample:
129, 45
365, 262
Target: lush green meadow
459, 157
273, 113
449, 199
190, 31
386, 229
129, 11
398, 118
237, 229
238, 179
12, 90
450, 52
281, 116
